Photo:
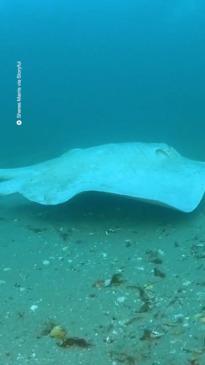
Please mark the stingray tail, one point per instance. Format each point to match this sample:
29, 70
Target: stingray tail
8, 181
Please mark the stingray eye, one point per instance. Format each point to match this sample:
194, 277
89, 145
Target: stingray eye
161, 153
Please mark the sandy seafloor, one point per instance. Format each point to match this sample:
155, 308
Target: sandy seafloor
127, 278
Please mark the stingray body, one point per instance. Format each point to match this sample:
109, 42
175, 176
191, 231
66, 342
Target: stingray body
154, 172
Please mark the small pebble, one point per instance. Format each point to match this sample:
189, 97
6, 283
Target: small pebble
46, 262
34, 307
121, 299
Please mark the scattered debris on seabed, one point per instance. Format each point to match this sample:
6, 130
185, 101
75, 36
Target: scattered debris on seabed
136, 296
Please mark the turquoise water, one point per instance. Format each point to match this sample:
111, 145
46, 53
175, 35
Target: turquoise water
97, 72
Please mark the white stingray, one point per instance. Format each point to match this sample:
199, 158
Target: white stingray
154, 172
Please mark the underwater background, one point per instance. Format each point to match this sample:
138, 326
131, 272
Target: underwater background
98, 72
101, 279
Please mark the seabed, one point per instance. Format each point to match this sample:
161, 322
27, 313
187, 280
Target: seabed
101, 280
